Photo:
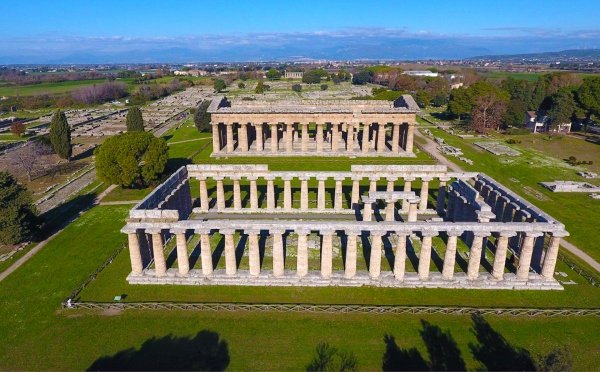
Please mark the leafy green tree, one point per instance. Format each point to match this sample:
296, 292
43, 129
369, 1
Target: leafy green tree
362, 77
314, 76
297, 88
562, 108
439, 100
515, 113
460, 102
134, 120
134, 159
273, 74
219, 85
60, 135
588, 96
324, 86
260, 87
241, 85
422, 98
202, 117
18, 221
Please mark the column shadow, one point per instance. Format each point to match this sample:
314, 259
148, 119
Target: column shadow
388, 250
218, 252
195, 255
262, 247
412, 255
206, 351
343, 246
437, 260
239, 249
366, 248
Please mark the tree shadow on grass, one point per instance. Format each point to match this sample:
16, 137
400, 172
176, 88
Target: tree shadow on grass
206, 352
444, 354
398, 359
494, 352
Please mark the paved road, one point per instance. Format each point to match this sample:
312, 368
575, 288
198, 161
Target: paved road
431, 147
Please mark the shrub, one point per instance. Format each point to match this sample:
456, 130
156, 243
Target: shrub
296, 88
324, 86
134, 159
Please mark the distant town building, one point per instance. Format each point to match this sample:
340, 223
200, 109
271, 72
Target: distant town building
540, 122
293, 74
421, 73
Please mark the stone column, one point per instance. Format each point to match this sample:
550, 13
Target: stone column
390, 210
334, 137
278, 259
230, 261
303, 195
287, 194
253, 193
237, 198
424, 193
327, 254
400, 257
375, 257
441, 197
450, 256
407, 188
253, 252
551, 255
381, 137
304, 137
351, 253
338, 194
243, 136
205, 251
135, 255
302, 254
319, 137
500, 255
355, 192
183, 261
260, 145
204, 204
409, 137
270, 194
229, 144
321, 194
274, 139
160, 265
350, 138
289, 141
220, 195
365, 138
412, 210
525, 255
475, 255
216, 138
373, 184
425, 255
390, 184
396, 138
367, 211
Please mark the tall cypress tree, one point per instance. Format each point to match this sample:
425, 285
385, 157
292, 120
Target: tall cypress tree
60, 135
18, 221
134, 120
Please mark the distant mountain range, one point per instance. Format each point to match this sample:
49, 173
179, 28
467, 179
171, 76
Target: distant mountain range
563, 55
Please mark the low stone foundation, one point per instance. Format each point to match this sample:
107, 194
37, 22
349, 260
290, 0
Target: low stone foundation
337, 279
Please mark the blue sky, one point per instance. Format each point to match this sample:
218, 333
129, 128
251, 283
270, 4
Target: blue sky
46, 30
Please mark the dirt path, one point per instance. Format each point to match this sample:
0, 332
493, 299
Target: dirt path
431, 148
67, 191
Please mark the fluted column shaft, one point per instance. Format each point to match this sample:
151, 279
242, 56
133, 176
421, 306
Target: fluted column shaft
327, 254
289, 139
206, 253
407, 188
412, 211
274, 139
355, 192
304, 137
304, 195
525, 256
350, 137
551, 257
220, 196
319, 137
396, 138
229, 143
390, 210
253, 194
253, 253
260, 144
216, 138
302, 255
204, 204
160, 265
287, 195
243, 136
475, 257
278, 259
351, 248
183, 261
338, 195
425, 257
424, 194
237, 198
365, 137
410, 137
135, 255
270, 195
230, 262
400, 257
367, 211
375, 257
500, 257
381, 137
321, 195
450, 257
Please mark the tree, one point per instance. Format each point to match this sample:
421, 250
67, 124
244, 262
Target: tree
241, 85
260, 87
219, 85
134, 120
460, 102
17, 128
588, 96
60, 135
562, 108
487, 113
29, 158
273, 74
18, 221
362, 77
328, 358
314, 76
324, 86
134, 159
439, 100
202, 117
422, 98
515, 113
297, 88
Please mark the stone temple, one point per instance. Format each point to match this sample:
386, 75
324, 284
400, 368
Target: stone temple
364, 128
368, 226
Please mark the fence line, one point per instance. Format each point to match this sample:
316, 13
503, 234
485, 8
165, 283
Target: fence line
591, 278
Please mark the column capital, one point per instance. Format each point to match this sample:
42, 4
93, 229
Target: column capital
374, 178
201, 178
454, 232
252, 231
129, 230
339, 178
377, 233
202, 230
507, 234
429, 233
445, 179
326, 231
179, 230
277, 231
302, 231
218, 178
391, 178
251, 178
287, 178
226, 231
482, 234
559, 234
353, 231
269, 177
154, 230
533, 234
321, 177
357, 178
408, 179
304, 178
426, 179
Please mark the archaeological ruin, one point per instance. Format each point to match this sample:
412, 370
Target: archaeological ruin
375, 225
350, 128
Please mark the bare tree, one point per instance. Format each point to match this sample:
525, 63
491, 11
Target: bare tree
29, 159
487, 113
